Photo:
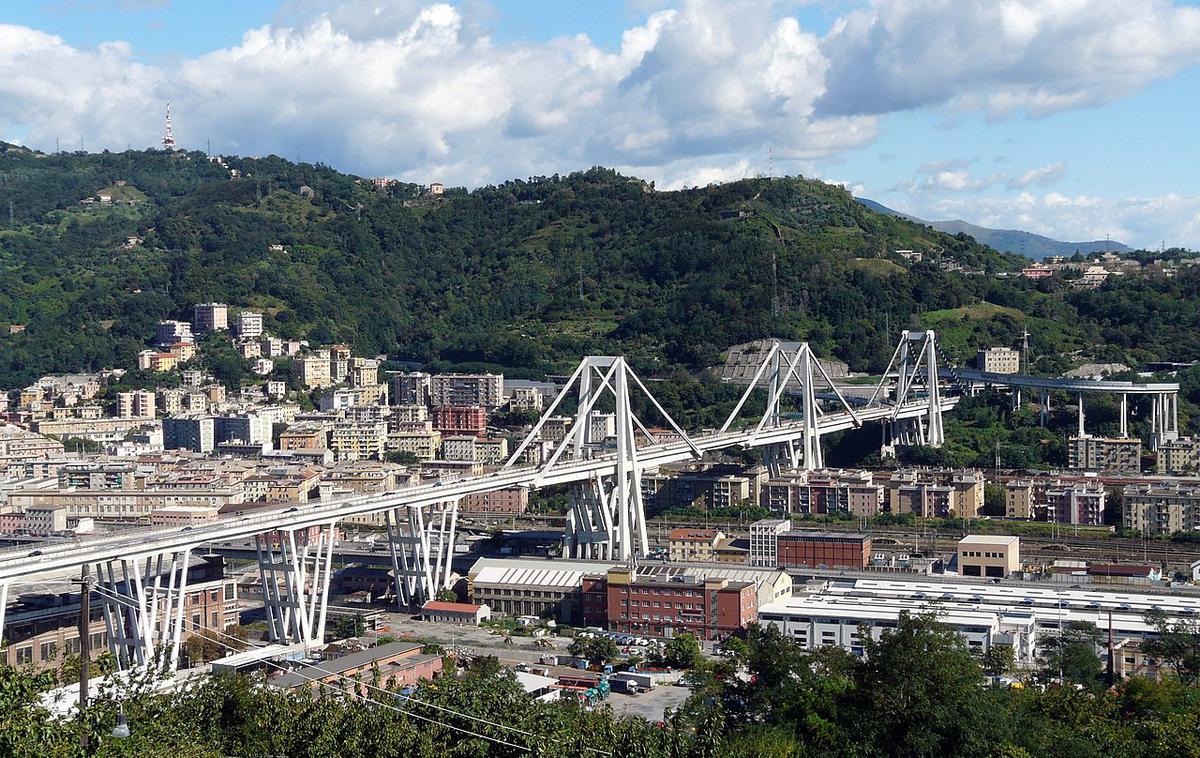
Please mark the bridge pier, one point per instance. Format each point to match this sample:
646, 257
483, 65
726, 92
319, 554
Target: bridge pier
1124, 415
421, 551
303, 562
142, 601
1082, 432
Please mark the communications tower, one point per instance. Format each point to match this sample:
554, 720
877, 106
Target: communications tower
168, 140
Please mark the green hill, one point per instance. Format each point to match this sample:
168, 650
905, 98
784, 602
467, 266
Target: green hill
528, 274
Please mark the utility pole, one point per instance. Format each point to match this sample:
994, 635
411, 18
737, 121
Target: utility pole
85, 651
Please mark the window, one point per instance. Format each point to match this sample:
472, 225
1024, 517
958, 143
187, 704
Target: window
25, 655
72, 646
98, 640
49, 650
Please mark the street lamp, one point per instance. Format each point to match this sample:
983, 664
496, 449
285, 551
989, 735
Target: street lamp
121, 730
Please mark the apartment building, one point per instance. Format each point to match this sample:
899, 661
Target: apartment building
1181, 456
314, 370
514, 500
210, 317
423, 445
693, 544
706, 486
249, 325
460, 419
998, 360
97, 476
1078, 503
485, 390
1105, 454
168, 333
936, 493
526, 399
1155, 508
358, 440
364, 372
195, 433
411, 388
17, 444
305, 437
824, 492
136, 404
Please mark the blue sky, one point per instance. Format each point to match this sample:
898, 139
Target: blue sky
1073, 118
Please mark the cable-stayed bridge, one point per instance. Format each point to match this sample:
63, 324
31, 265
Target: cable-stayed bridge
786, 408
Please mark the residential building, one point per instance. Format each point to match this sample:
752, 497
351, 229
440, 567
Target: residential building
999, 360
460, 419
458, 447
936, 493
249, 428
1105, 453
702, 485
358, 440
513, 500
411, 388
526, 399
42, 630
305, 437
153, 360
97, 476
313, 370
485, 390
693, 544
123, 505
364, 372
250, 325
824, 492
17, 444
1019, 499
989, 555
1181, 456
135, 404
210, 317
184, 515
98, 430
658, 606
1160, 508
491, 451
1079, 503
45, 519
195, 433
168, 333
423, 445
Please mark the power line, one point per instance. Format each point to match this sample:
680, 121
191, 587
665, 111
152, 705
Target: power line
275, 665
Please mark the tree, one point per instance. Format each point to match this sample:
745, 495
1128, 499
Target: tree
447, 595
997, 660
1073, 655
596, 650
345, 626
1177, 645
916, 690
680, 652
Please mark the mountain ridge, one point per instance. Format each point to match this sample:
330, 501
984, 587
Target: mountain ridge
1015, 241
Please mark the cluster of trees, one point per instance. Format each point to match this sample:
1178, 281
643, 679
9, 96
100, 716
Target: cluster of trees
918, 691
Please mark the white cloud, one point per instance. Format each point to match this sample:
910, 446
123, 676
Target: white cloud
1039, 56
1039, 176
1138, 221
416, 90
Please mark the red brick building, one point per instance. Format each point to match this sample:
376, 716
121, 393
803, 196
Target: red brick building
460, 419
654, 606
512, 500
817, 549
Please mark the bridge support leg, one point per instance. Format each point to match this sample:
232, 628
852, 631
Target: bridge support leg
1082, 432
302, 562
3, 608
1124, 415
421, 543
143, 606
1043, 407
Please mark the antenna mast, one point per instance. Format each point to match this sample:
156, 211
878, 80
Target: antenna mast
168, 140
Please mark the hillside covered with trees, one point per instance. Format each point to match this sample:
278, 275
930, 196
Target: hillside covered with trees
526, 276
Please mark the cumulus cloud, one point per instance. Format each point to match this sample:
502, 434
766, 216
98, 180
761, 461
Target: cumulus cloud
954, 175
417, 90
1037, 56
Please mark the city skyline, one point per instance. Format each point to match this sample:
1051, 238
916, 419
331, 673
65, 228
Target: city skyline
1062, 118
